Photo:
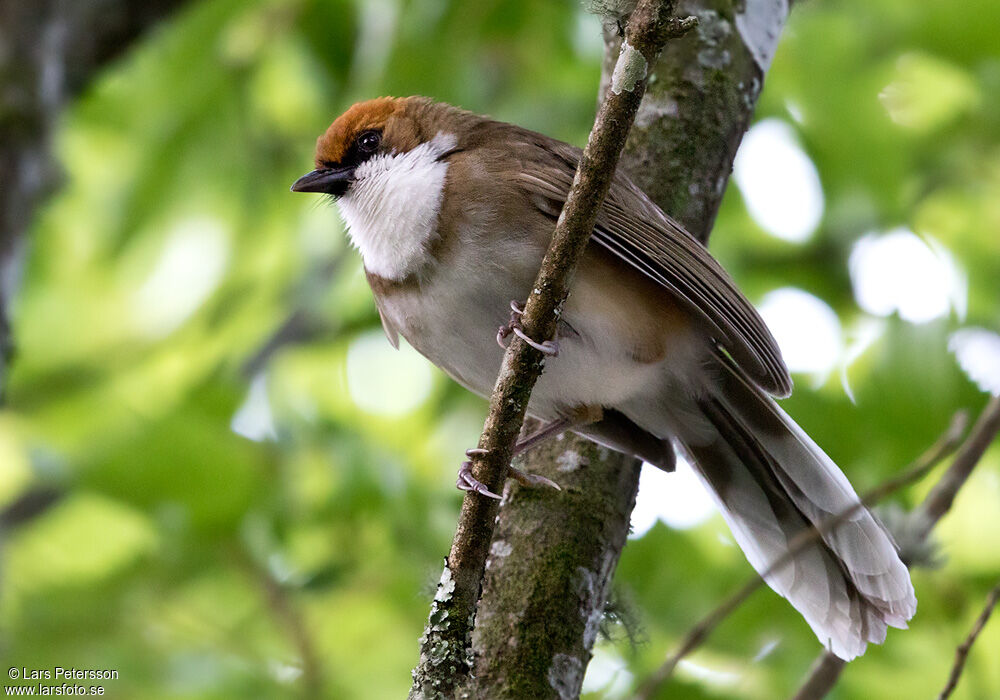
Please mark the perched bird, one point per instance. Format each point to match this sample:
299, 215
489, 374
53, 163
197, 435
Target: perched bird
656, 350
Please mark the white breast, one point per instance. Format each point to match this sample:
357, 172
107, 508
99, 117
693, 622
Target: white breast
391, 209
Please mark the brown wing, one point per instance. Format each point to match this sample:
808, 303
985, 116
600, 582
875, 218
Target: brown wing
631, 227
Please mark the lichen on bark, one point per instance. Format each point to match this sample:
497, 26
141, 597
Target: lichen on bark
549, 576
699, 102
647, 30
545, 587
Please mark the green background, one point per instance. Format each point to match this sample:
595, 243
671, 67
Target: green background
201, 563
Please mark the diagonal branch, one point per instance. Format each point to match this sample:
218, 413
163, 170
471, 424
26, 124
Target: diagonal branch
553, 556
701, 631
826, 670
28, 506
962, 653
286, 615
823, 675
444, 658
939, 501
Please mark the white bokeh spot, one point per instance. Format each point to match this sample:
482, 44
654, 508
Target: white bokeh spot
191, 265
806, 328
254, 419
900, 272
710, 674
384, 381
978, 353
677, 498
779, 182
608, 674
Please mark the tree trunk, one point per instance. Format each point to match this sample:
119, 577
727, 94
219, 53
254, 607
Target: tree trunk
554, 555
49, 50
549, 571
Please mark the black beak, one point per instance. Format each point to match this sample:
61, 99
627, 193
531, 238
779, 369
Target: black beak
326, 180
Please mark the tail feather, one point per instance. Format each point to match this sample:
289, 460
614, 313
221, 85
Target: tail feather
771, 482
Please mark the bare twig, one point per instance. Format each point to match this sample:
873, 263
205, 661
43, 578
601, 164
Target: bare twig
533, 631
287, 615
962, 653
550, 571
823, 675
28, 506
444, 658
941, 497
701, 631
820, 680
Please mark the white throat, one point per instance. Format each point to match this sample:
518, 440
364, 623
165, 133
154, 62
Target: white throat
391, 209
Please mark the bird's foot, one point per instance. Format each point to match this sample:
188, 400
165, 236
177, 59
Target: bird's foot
548, 347
531, 480
467, 482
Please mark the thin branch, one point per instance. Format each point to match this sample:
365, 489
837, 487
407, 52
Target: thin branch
444, 658
962, 653
938, 502
944, 446
28, 506
288, 616
533, 632
823, 675
941, 497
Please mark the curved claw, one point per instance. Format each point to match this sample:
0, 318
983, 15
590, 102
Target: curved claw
549, 347
532, 480
502, 333
475, 452
467, 482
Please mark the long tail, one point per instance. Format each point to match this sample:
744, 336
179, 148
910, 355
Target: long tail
772, 482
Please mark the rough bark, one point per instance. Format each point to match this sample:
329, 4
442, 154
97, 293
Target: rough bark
445, 648
49, 49
679, 142
549, 572
699, 104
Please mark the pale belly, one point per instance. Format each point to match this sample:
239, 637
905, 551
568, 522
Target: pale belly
454, 320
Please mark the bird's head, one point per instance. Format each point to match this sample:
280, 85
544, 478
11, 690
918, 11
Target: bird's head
385, 162
382, 126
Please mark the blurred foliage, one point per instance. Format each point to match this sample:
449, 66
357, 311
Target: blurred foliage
259, 491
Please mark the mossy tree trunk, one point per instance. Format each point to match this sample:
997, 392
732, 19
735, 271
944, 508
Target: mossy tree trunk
553, 555
49, 51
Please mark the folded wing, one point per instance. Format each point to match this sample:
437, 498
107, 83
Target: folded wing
634, 229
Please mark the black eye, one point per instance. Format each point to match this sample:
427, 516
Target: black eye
368, 141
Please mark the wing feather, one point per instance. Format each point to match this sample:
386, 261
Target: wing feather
631, 227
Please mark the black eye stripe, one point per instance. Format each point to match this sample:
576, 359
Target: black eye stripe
364, 146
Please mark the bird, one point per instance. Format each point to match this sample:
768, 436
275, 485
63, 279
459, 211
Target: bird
657, 351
